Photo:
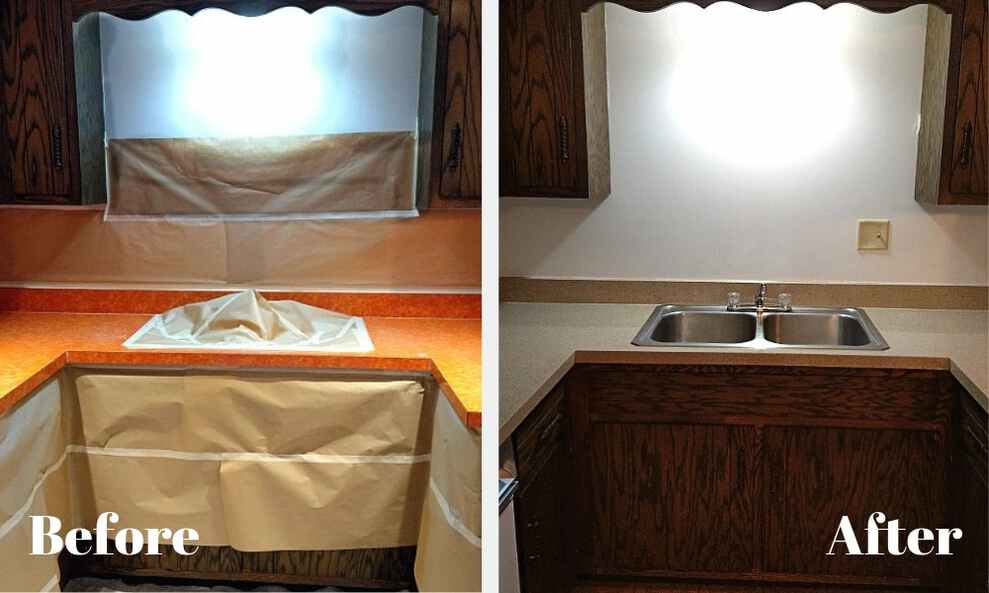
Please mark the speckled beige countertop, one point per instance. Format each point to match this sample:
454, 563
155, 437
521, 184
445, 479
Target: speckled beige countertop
540, 342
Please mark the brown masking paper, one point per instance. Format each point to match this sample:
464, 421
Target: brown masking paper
449, 554
307, 176
257, 461
439, 250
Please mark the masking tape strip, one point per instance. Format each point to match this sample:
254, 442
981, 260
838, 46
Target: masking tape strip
452, 518
267, 457
51, 584
18, 516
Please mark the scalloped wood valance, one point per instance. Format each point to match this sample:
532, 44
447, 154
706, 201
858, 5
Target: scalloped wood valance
885, 6
140, 9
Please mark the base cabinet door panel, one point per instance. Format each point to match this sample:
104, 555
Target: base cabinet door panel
672, 498
742, 475
540, 526
814, 476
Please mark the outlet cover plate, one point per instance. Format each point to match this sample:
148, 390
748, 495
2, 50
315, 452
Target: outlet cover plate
873, 234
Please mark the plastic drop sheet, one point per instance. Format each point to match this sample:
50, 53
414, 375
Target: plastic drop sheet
323, 176
254, 461
247, 320
438, 250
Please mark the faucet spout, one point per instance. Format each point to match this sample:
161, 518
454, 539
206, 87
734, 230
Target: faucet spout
762, 303
760, 295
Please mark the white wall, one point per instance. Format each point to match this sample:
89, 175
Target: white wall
743, 150
217, 74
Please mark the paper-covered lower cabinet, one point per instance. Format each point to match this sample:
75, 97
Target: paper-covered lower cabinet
285, 477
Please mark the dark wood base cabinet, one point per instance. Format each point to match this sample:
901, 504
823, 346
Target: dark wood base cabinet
373, 568
713, 478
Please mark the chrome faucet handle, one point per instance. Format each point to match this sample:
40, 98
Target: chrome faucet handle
734, 300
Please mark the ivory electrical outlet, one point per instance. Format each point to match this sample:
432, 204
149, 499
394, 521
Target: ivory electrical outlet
873, 234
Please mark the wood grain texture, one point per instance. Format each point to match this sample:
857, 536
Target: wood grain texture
969, 498
140, 9
87, 49
674, 498
539, 432
428, 108
591, 586
762, 395
543, 520
35, 100
815, 476
460, 158
970, 154
543, 149
714, 473
369, 568
544, 526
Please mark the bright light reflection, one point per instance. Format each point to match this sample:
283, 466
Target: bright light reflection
253, 76
761, 89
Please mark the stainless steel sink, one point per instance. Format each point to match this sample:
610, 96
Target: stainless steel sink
827, 328
802, 327
704, 327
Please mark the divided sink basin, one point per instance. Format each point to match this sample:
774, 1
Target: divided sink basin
803, 327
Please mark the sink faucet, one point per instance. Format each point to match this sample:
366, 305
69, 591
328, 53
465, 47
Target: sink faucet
760, 295
762, 303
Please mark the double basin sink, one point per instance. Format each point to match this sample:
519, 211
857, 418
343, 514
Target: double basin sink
715, 326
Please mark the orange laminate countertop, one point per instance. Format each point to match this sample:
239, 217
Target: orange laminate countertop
35, 346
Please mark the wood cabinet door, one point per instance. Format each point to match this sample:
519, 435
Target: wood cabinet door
36, 124
968, 498
970, 153
743, 473
543, 150
672, 498
540, 525
460, 175
816, 475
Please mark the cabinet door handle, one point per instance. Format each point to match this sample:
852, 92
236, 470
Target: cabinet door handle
453, 159
57, 147
966, 155
564, 139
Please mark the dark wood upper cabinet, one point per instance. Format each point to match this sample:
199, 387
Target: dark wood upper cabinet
38, 117
40, 136
459, 160
953, 148
545, 108
554, 140
970, 157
